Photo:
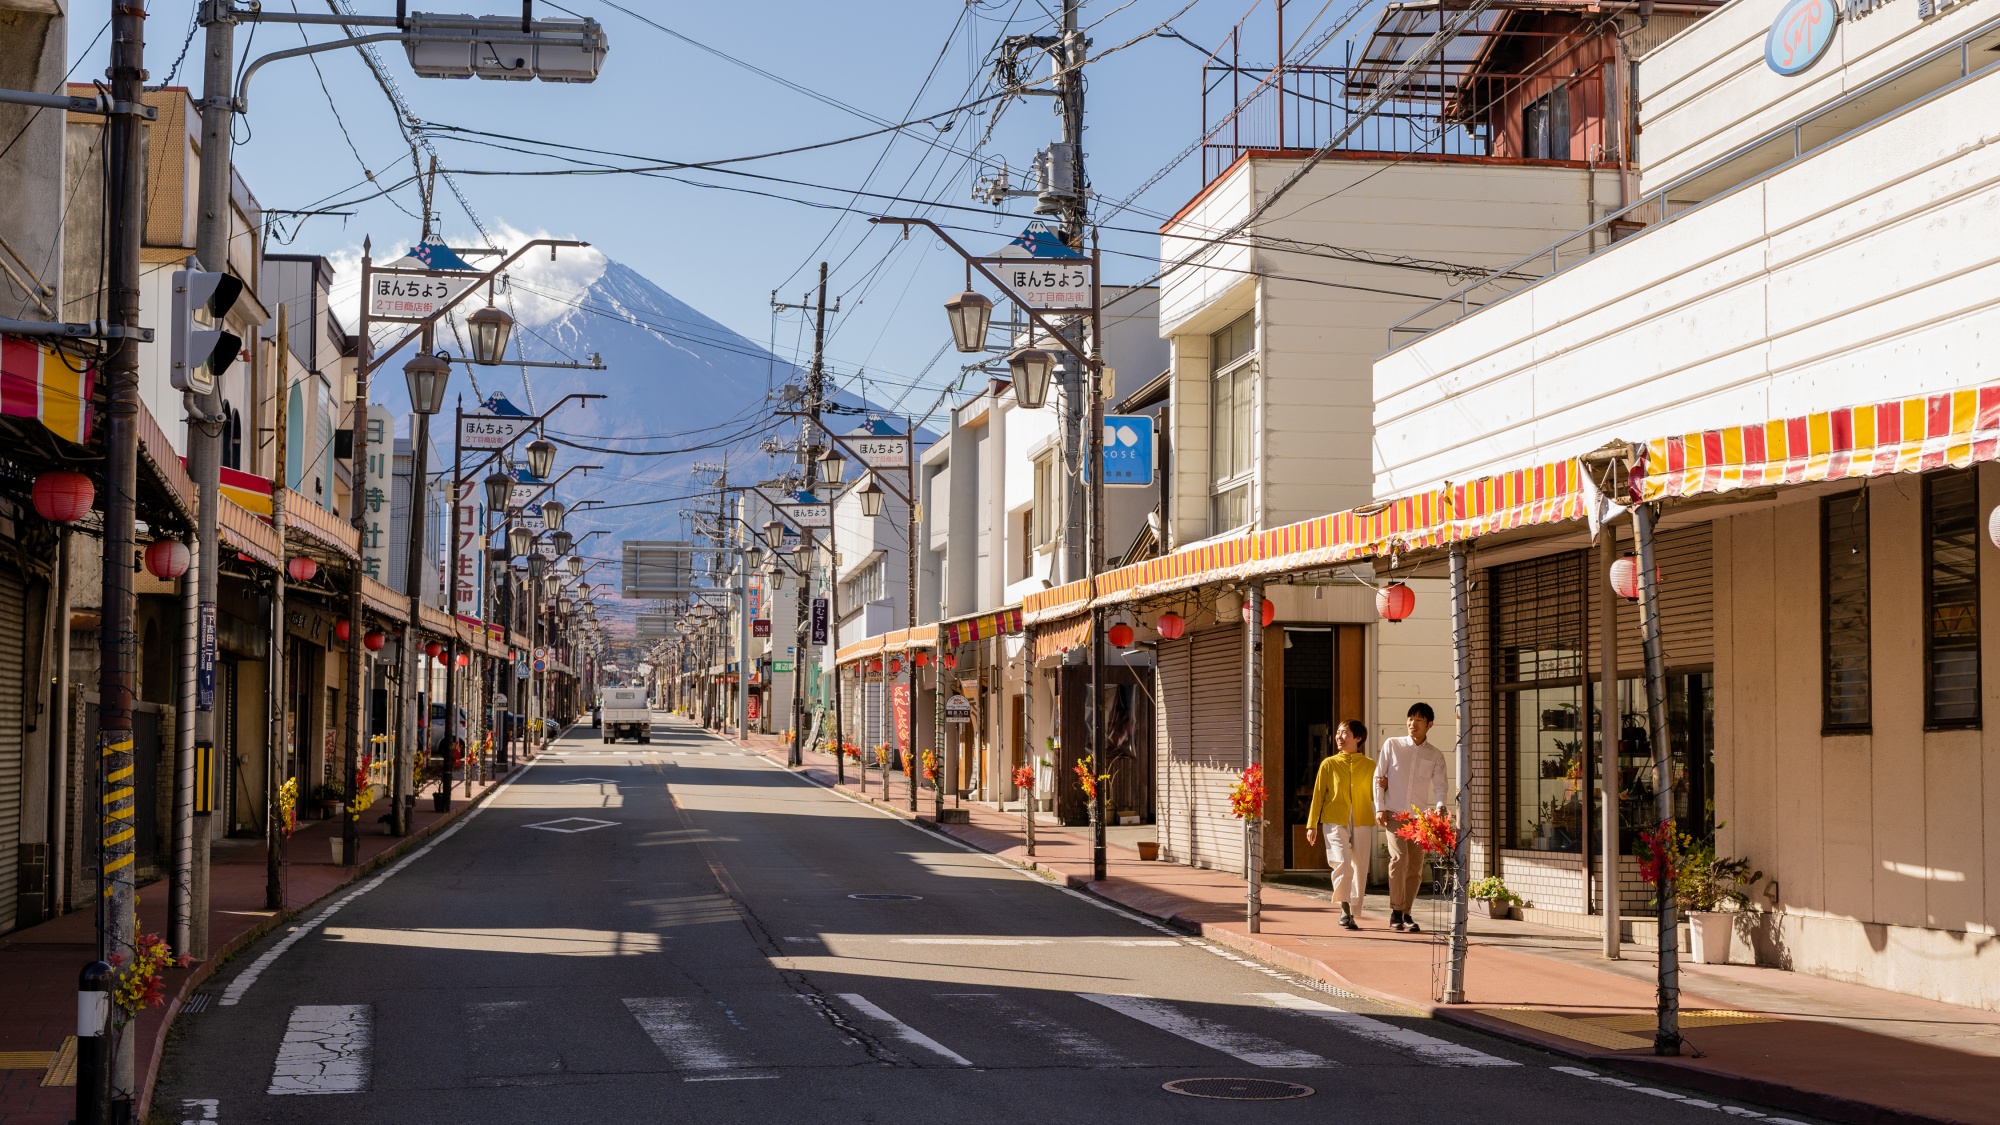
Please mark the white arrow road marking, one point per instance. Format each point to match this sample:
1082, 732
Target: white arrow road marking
1442, 1052
572, 824
325, 1050
902, 1030
1251, 1048
669, 1021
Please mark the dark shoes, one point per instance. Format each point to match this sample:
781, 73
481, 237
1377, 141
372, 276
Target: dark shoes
1403, 924
1396, 920
1347, 918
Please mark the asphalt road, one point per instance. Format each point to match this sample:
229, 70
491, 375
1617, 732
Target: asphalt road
682, 931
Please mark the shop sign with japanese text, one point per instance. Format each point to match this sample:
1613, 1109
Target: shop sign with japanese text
396, 295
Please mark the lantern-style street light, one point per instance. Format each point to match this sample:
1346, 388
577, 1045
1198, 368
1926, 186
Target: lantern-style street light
774, 534
490, 328
576, 566
1031, 368
552, 514
970, 312
871, 499
499, 490
520, 541
541, 458
563, 541
832, 467
428, 376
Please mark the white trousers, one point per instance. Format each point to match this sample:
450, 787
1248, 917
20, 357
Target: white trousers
1348, 850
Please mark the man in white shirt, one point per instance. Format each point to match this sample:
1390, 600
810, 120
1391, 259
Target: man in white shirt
1407, 771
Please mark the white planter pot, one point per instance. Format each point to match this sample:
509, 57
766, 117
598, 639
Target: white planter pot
338, 856
1709, 934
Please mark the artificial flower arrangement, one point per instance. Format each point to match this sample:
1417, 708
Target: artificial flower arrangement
853, 750
1087, 780
931, 767
1246, 796
882, 755
288, 806
1024, 778
138, 982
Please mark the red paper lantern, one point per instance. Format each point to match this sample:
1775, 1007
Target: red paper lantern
443, 659
875, 665
1992, 521
373, 640
63, 495
432, 648
895, 667
950, 660
167, 558
1395, 601
301, 568
1270, 611
920, 659
464, 659
1625, 577
342, 630
1171, 625
1120, 635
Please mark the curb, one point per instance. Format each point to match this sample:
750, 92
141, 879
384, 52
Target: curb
1776, 1095
202, 972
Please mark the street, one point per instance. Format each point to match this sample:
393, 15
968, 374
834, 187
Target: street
683, 931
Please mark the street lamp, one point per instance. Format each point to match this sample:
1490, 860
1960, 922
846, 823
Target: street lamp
520, 541
552, 514
499, 489
541, 458
756, 556
563, 541
832, 467
774, 534
871, 499
490, 328
576, 567
1031, 368
970, 312
428, 375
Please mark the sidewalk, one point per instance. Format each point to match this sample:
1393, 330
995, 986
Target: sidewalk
1801, 1043
39, 965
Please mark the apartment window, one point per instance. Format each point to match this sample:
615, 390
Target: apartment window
1231, 399
1951, 599
868, 586
1844, 612
1545, 126
1044, 516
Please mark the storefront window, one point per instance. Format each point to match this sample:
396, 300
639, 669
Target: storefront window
1691, 753
1547, 732
1951, 600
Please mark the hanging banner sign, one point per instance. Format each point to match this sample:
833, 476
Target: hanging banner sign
491, 431
820, 615
1042, 272
899, 704
1128, 449
760, 627
881, 452
414, 295
813, 517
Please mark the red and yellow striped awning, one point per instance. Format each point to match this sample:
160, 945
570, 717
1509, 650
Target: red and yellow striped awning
980, 627
37, 381
1951, 429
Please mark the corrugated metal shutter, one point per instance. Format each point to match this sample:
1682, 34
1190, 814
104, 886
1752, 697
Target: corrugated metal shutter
1214, 751
13, 643
1687, 604
1171, 734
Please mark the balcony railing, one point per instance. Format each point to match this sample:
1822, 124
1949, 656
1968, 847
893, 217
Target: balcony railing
1246, 109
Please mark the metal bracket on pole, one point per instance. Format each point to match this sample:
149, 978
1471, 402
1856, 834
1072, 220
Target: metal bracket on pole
101, 104
74, 330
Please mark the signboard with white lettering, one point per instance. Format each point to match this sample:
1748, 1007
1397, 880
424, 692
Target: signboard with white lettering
1128, 450
957, 709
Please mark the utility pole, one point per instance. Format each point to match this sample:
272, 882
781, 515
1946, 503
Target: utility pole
277, 689
117, 647
204, 415
815, 398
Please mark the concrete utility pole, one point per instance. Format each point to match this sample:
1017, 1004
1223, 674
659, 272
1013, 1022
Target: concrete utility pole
815, 399
117, 647
277, 692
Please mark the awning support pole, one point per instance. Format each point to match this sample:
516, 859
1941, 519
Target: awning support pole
1667, 1039
1461, 690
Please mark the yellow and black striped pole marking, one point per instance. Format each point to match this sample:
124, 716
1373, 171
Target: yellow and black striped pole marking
204, 778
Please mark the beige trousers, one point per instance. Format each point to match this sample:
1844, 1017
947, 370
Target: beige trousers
1348, 848
1406, 872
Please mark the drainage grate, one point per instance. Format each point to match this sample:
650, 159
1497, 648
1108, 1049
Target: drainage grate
1239, 1089
198, 1002
888, 898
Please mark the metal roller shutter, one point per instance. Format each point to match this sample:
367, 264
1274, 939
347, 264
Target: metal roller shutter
1214, 752
13, 643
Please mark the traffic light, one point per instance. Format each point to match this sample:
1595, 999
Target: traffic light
202, 352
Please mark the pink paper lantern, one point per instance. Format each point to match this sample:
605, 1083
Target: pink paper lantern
1171, 625
1625, 577
1270, 612
301, 568
167, 558
63, 495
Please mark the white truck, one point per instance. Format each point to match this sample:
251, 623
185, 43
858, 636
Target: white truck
623, 712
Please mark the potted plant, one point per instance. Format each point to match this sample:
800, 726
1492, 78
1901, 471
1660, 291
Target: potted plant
1710, 889
327, 800
1500, 902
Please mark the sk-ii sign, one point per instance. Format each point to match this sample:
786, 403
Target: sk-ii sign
1128, 449
1800, 35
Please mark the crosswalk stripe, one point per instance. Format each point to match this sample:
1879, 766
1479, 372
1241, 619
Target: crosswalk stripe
1442, 1052
669, 1022
902, 1030
1069, 1043
325, 1050
1251, 1048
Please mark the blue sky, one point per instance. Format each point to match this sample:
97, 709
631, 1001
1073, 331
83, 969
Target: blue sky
724, 251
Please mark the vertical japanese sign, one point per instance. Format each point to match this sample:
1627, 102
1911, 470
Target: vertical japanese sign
378, 464
470, 549
819, 621
899, 703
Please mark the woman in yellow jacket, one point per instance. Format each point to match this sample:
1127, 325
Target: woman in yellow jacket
1343, 809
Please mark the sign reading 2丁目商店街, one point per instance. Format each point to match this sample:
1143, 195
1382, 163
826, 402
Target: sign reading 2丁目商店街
1800, 35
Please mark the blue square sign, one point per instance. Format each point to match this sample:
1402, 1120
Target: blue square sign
1128, 449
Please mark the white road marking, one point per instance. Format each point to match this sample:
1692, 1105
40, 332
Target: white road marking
200, 1111
1070, 1043
1125, 943
237, 987
902, 1030
1251, 1048
572, 824
726, 1077
1732, 1110
669, 1021
325, 1050
1443, 1052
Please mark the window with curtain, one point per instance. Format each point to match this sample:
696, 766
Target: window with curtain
1844, 613
1231, 401
1951, 599
1545, 126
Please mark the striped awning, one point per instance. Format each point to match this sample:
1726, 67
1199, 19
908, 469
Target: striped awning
979, 627
896, 640
1062, 634
1924, 432
39, 382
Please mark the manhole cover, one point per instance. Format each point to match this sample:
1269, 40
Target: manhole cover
1239, 1089
888, 898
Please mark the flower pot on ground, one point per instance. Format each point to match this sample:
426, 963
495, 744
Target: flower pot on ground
1496, 909
338, 847
1149, 850
1498, 901
441, 801
1709, 936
